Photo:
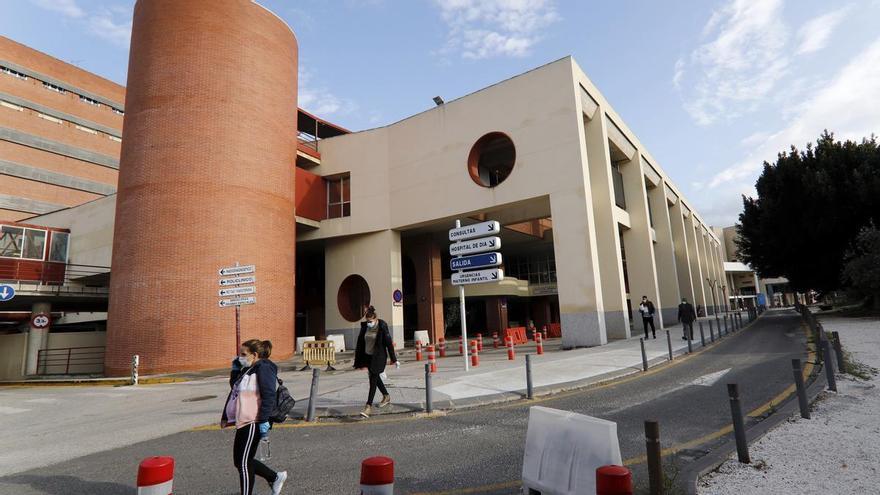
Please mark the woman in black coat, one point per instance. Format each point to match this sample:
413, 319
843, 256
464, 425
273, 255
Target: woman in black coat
374, 347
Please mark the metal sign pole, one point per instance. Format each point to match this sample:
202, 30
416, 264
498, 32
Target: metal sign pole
464, 341
237, 326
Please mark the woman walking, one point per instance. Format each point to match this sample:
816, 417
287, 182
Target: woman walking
374, 347
248, 406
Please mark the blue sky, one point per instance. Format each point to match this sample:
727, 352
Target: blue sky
712, 88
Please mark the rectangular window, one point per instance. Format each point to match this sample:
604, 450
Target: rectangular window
114, 138
10, 105
86, 129
338, 197
10, 241
49, 118
86, 99
58, 247
617, 179
650, 211
34, 244
117, 111
14, 73
53, 87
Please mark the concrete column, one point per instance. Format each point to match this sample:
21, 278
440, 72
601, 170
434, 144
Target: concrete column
682, 253
706, 266
695, 261
38, 338
664, 256
606, 228
638, 241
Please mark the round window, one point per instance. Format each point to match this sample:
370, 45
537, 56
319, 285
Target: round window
491, 159
353, 297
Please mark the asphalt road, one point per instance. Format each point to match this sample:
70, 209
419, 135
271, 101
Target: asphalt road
479, 450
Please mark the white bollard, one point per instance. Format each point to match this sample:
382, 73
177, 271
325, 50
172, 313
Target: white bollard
135, 361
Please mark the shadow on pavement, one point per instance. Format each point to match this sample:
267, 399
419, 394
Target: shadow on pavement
68, 485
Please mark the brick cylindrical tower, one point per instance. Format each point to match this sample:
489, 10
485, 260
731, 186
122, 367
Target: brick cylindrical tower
206, 180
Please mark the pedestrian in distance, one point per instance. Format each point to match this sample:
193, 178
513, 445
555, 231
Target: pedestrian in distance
249, 405
374, 348
686, 315
646, 308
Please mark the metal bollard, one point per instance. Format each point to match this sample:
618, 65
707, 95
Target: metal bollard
135, 362
644, 356
711, 330
669, 344
429, 396
711, 333
652, 445
829, 366
739, 427
690, 346
530, 393
725, 323
702, 335
718, 323
801, 390
838, 349
313, 395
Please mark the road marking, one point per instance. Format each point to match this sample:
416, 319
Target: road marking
710, 379
12, 410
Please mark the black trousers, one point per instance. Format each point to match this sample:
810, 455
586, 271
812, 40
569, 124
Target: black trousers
247, 439
375, 382
649, 321
688, 329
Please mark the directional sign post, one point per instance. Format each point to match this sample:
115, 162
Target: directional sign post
238, 281
477, 261
478, 277
474, 231
7, 292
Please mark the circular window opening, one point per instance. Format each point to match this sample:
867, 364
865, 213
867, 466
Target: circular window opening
491, 159
353, 297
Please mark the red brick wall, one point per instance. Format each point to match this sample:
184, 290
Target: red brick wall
206, 179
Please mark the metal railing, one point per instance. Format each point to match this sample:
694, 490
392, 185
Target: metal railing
307, 140
46, 277
82, 360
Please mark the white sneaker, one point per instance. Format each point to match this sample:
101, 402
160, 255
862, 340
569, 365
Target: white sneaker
279, 482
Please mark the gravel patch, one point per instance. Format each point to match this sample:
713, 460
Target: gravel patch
836, 451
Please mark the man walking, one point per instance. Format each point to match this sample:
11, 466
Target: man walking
686, 315
647, 310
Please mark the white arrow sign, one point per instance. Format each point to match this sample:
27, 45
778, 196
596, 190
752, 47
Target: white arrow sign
237, 291
237, 301
237, 270
710, 379
475, 246
473, 231
249, 279
478, 277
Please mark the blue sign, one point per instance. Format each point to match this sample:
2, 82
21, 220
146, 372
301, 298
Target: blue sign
477, 261
762, 299
6, 292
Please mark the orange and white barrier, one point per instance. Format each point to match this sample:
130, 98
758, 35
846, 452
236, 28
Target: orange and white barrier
475, 353
480, 342
495, 341
511, 353
418, 350
377, 474
539, 342
432, 358
442, 347
461, 346
155, 476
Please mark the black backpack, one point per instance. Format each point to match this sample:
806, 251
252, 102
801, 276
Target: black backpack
284, 403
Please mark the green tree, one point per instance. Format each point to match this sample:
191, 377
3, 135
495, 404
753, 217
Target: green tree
809, 208
862, 268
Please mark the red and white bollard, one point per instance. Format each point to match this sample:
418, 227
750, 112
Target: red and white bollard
461, 346
418, 350
613, 480
432, 358
480, 342
495, 341
511, 353
377, 475
442, 347
155, 476
475, 353
544, 331
539, 342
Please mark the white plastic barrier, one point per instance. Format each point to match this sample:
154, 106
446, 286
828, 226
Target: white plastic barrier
564, 449
300, 340
338, 342
422, 335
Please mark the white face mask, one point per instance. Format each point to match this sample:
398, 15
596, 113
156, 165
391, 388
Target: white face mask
372, 324
244, 361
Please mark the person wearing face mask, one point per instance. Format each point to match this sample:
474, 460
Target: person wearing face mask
687, 315
374, 347
248, 406
647, 310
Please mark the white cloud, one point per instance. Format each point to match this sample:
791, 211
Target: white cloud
68, 8
679, 73
480, 29
742, 62
848, 106
105, 26
318, 100
815, 33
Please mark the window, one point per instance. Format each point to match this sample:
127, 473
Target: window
86, 129
491, 159
54, 87
49, 118
10, 105
10, 241
58, 247
117, 111
617, 179
650, 211
34, 244
14, 73
339, 197
86, 99
114, 138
